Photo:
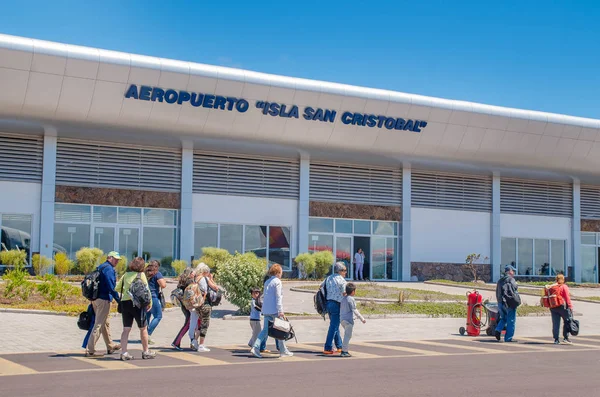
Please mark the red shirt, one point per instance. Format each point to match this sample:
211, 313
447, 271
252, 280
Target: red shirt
564, 292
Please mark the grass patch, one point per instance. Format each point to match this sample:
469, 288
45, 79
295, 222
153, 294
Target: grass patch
488, 287
456, 310
376, 291
591, 298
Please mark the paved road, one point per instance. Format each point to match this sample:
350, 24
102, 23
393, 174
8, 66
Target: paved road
445, 367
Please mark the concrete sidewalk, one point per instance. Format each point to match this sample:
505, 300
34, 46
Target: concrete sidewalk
34, 332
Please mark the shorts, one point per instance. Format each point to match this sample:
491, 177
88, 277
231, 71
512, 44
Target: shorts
130, 313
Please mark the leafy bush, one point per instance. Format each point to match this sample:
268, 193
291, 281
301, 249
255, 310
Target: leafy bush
41, 264
53, 289
15, 258
323, 262
17, 284
213, 258
62, 264
238, 274
179, 266
306, 264
88, 259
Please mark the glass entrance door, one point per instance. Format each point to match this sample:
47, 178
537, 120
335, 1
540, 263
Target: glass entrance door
343, 253
104, 238
589, 264
129, 242
384, 261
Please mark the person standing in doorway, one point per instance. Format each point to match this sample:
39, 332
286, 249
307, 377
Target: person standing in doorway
508, 300
359, 262
157, 283
336, 289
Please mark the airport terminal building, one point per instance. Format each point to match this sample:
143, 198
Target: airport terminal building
161, 158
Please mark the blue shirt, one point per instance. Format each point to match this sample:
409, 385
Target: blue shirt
108, 281
153, 284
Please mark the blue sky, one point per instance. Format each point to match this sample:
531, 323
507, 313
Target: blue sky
540, 55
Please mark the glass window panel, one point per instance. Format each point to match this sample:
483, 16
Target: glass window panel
159, 244
343, 253
343, 226
378, 258
205, 235
508, 252
16, 232
588, 264
385, 228
525, 257
69, 238
232, 238
542, 258
129, 238
104, 238
557, 248
105, 214
279, 246
588, 238
320, 242
362, 227
391, 259
320, 225
72, 213
256, 240
130, 216
155, 217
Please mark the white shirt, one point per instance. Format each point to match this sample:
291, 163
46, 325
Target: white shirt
359, 259
272, 297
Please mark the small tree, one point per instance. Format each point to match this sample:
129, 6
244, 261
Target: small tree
323, 262
471, 263
306, 264
62, 264
179, 266
238, 275
40, 264
14, 258
88, 259
213, 258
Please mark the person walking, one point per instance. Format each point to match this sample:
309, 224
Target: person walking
359, 263
509, 299
130, 312
203, 312
186, 278
336, 289
156, 282
255, 312
565, 312
272, 308
101, 306
348, 311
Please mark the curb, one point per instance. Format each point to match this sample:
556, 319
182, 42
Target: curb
378, 300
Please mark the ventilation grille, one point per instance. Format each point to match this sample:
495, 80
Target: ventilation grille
590, 202
536, 198
240, 175
81, 163
451, 191
353, 184
21, 157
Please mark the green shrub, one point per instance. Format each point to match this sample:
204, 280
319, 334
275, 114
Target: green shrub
17, 284
53, 289
15, 258
213, 258
237, 275
306, 265
62, 264
179, 266
41, 264
88, 259
323, 262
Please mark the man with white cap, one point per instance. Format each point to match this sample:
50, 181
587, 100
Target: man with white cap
106, 293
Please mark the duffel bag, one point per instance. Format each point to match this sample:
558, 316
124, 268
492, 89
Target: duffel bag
281, 329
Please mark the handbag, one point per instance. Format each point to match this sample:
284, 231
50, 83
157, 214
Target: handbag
281, 329
573, 325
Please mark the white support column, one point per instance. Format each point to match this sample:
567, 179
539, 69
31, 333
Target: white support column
48, 192
496, 238
406, 221
303, 204
576, 232
186, 228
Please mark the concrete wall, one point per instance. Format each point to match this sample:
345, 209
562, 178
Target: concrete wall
534, 226
23, 198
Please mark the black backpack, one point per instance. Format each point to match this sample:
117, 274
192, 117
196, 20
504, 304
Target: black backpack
213, 297
320, 300
140, 294
91, 285
85, 321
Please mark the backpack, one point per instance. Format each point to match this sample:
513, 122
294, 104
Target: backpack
552, 297
91, 285
139, 292
213, 297
258, 302
85, 321
510, 295
320, 300
192, 298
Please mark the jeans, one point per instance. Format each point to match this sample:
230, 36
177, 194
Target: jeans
557, 314
261, 341
347, 335
156, 312
508, 318
333, 334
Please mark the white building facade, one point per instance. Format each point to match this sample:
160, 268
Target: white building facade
160, 158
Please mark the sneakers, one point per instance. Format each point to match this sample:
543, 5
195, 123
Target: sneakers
202, 348
345, 354
95, 354
556, 342
194, 345
176, 347
566, 341
255, 352
497, 334
286, 353
149, 355
328, 352
126, 356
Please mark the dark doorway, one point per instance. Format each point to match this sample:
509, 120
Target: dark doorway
365, 244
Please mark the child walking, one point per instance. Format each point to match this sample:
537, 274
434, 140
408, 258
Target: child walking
347, 312
255, 309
